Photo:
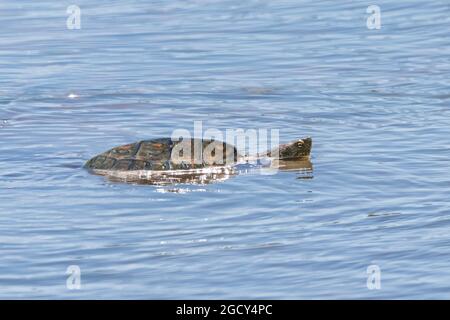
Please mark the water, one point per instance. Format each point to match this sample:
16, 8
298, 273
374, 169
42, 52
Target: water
376, 103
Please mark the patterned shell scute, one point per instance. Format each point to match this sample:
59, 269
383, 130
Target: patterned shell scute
156, 155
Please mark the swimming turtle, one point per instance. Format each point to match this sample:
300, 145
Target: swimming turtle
168, 161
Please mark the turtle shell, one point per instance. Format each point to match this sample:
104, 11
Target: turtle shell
165, 154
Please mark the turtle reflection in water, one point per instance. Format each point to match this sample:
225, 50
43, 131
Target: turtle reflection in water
194, 161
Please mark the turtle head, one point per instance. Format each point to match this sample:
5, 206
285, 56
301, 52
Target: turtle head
293, 150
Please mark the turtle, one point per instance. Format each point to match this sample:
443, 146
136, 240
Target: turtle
165, 161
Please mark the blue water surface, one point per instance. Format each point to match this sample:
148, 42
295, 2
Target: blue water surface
375, 101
